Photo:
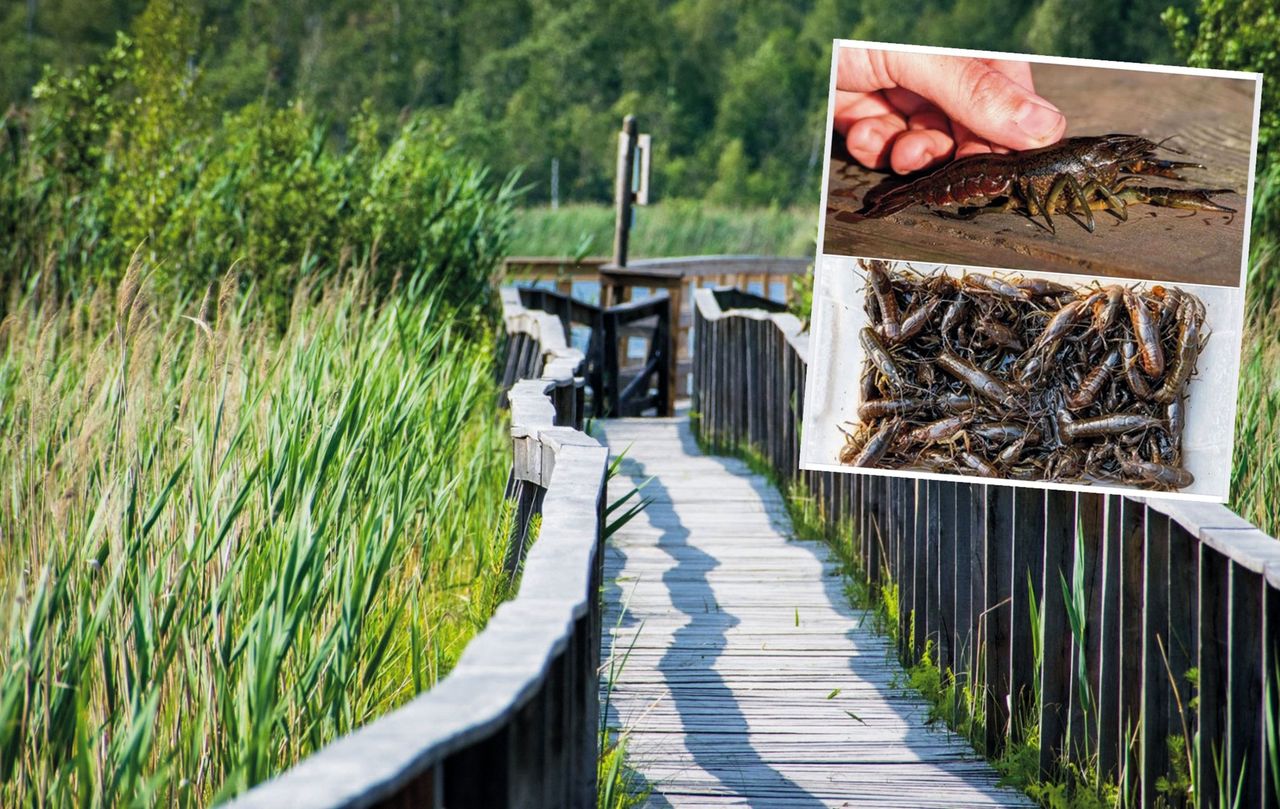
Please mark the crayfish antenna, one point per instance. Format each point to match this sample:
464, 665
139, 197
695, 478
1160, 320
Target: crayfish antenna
1174, 149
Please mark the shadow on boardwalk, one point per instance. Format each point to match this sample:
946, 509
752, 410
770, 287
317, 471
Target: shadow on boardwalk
750, 679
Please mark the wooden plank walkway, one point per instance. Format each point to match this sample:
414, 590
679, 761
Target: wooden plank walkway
750, 679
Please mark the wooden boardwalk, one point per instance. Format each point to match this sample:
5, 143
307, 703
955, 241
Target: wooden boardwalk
750, 680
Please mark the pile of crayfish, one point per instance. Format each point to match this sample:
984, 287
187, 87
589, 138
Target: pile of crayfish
1025, 378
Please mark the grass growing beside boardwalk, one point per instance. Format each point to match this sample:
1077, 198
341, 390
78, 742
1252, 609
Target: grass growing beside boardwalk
1255, 477
672, 228
222, 546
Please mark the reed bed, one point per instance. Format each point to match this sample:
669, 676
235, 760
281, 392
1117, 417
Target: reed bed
672, 228
1255, 476
222, 544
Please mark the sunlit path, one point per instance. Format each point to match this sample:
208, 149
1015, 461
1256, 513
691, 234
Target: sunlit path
750, 679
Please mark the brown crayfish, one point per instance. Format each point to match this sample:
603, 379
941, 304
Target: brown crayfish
1076, 176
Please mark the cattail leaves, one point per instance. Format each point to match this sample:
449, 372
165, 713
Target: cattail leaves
223, 544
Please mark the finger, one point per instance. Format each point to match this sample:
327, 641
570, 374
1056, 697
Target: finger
918, 149
930, 117
927, 142
968, 143
869, 139
992, 105
859, 70
1019, 72
849, 107
907, 102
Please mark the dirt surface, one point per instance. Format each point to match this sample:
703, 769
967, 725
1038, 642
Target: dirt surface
1211, 119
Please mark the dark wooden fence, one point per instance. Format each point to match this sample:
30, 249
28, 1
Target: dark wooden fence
1180, 601
772, 276
617, 387
515, 723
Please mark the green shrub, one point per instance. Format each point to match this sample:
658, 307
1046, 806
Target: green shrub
129, 152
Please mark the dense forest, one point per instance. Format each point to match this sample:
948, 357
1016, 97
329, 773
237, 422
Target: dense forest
301, 141
734, 94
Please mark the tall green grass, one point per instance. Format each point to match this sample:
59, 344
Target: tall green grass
1255, 476
221, 544
673, 228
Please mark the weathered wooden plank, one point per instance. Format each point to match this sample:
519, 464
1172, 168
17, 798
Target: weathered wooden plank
1055, 671
1109, 658
944, 512
1027, 584
905, 575
977, 628
1155, 672
999, 614
1213, 663
963, 613
1271, 685
774, 694
918, 506
1091, 516
1184, 587
1246, 748
1132, 528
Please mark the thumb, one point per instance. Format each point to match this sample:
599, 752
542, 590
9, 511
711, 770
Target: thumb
980, 97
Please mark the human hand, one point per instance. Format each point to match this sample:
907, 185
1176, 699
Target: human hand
909, 111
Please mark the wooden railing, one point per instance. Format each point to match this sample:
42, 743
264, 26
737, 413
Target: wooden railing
515, 723
618, 386
679, 277
1180, 601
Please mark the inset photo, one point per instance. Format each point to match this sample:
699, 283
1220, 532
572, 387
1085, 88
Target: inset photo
1037, 163
1028, 377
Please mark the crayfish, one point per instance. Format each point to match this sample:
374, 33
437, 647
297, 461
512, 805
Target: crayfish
1076, 176
1025, 378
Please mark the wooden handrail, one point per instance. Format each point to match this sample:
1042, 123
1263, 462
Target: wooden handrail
698, 266
1175, 594
516, 721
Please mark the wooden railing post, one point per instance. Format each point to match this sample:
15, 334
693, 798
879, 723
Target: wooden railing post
1155, 644
1108, 694
943, 511
623, 194
1132, 538
1083, 722
998, 625
1031, 581
1059, 531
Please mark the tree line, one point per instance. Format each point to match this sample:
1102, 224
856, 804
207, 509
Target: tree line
733, 93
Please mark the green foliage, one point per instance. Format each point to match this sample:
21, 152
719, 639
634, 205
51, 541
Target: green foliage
64, 33
618, 785
1255, 476
1177, 786
1234, 35
225, 544
131, 150
734, 95
1073, 787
